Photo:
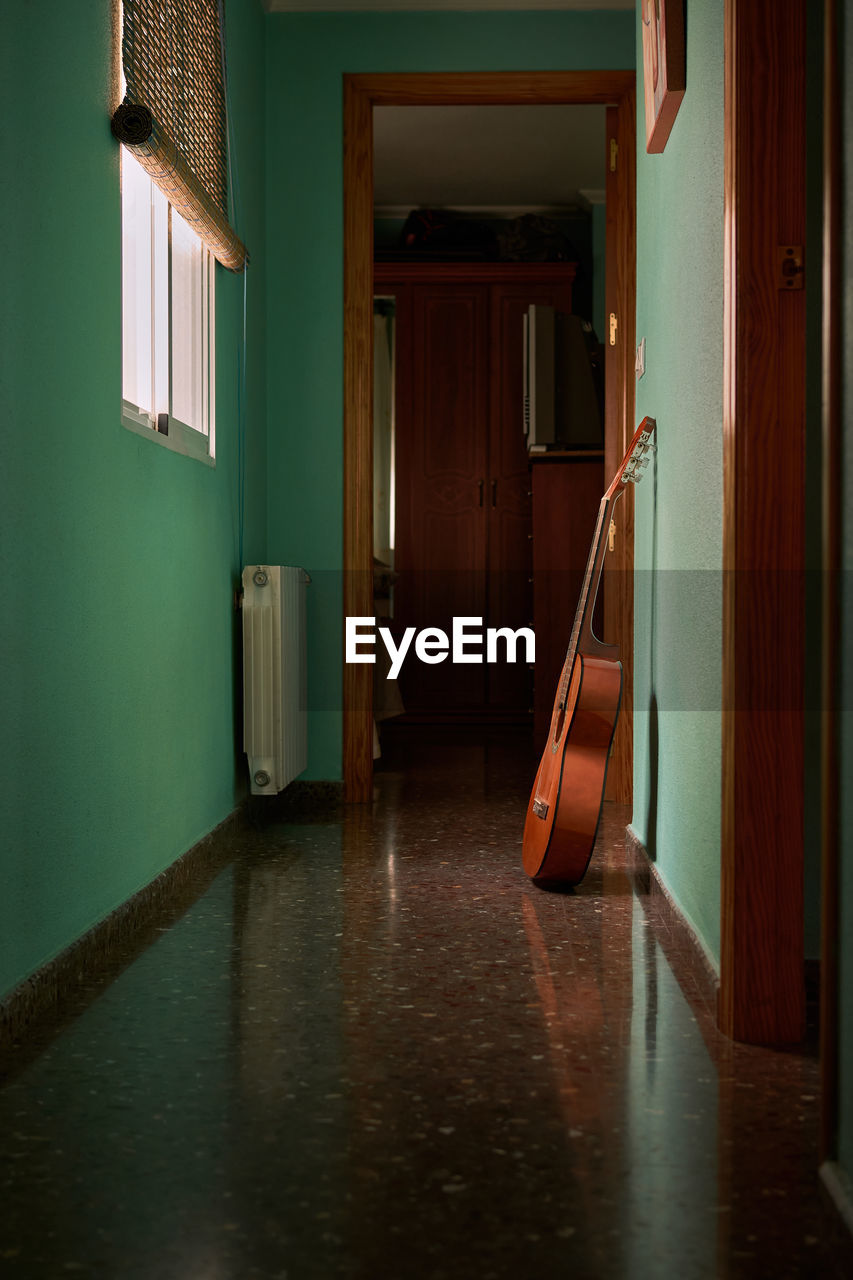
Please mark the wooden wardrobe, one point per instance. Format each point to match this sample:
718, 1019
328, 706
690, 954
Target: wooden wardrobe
464, 490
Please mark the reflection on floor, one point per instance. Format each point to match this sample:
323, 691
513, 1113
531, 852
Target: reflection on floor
373, 1049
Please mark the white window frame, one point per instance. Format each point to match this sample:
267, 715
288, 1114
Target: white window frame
197, 439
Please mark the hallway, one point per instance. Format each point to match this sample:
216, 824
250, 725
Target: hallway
370, 1048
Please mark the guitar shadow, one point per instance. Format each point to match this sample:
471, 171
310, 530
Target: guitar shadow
654, 727
564, 889
652, 806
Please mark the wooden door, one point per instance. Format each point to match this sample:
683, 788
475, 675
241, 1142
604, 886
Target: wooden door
762, 990
617, 584
441, 464
833, 429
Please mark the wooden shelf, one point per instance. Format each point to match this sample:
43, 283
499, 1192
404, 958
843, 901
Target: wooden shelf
565, 455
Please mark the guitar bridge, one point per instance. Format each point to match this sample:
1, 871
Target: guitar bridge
540, 808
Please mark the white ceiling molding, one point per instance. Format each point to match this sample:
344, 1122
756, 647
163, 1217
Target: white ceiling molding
593, 195
388, 6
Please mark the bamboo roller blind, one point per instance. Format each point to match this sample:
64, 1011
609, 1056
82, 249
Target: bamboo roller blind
173, 113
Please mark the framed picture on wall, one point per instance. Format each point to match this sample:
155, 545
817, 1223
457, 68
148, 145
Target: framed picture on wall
664, 68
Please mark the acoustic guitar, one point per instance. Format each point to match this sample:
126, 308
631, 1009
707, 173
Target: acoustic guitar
565, 804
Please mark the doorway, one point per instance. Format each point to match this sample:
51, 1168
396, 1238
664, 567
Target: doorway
488, 219
361, 94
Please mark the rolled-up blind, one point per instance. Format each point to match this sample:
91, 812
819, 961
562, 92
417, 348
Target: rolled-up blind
173, 113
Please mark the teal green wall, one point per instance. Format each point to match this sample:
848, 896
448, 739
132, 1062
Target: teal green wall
118, 557
678, 598
845, 906
307, 55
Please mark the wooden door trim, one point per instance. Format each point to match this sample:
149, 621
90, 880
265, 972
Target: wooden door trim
762, 997
491, 88
831, 565
361, 94
358, 431
620, 301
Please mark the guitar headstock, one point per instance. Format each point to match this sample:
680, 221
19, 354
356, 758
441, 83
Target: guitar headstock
638, 455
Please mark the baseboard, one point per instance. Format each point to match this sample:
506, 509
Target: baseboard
671, 915
840, 1188
64, 986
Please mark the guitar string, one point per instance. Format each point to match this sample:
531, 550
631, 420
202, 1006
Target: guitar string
625, 472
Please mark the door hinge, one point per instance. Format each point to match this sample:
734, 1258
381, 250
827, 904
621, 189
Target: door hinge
791, 269
614, 152
614, 324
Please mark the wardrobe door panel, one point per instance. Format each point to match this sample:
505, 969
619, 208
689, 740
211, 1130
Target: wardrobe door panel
441, 488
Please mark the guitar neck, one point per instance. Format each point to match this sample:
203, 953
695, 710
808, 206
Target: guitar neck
582, 626
582, 639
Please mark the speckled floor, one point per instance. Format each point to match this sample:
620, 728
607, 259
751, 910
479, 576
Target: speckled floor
372, 1049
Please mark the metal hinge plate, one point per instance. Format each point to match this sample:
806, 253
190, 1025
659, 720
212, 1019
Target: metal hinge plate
791, 269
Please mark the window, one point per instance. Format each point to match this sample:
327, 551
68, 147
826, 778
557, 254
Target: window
167, 319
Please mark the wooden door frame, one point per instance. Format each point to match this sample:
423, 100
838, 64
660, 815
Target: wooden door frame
762, 990
831, 410
361, 94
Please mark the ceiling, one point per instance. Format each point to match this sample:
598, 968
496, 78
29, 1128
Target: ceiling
507, 158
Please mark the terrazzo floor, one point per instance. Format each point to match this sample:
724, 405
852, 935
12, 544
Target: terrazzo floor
371, 1048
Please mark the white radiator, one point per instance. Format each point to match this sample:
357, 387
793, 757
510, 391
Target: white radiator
275, 722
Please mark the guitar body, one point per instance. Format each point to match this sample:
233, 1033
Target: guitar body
565, 804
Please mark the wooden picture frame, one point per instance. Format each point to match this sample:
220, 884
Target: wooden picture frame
664, 68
